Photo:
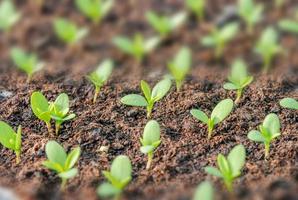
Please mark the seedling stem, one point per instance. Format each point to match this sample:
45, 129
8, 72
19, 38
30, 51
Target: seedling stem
267, 149
97, 89
49, 127
150, 157
239, 94
63, 184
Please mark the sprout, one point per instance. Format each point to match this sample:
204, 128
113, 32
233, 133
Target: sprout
288, 25
269, 130
180, 66
25, 61
204, 191
197, 7
289, 103
238, 78
119, 177
100, 76
229, 168
158, 92
11, 139
219, 37
8, 15
219, 113
60, 162
151, 140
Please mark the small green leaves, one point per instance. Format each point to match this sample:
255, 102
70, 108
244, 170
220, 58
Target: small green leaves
8, 15
288, 25
289, 103
119, 177
269, 130
204, 191
197, 7
40, 107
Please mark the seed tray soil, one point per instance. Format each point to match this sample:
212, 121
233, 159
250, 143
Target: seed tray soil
185, 151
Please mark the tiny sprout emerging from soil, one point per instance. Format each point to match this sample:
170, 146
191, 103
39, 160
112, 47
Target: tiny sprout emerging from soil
157, 93
289, 103
151, 140
268, 47
204, 191
180, 66
219, 37
95, 10
60, 162
197, 7
100, 76
27, 62
11, 139
238, 78
219, 113
119, 177
269, 130
288, 26
164, 25
229, 168
8, 15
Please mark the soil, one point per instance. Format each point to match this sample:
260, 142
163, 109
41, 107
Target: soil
179, 162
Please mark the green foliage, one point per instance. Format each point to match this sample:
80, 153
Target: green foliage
60, 162
269, 130
8, 15
204, 191
157, 93
239, 79
288, 25
151, 140
289, 103
219, 113
197, 7
119, 177
229, 168
180, 66
11, 139
100, 76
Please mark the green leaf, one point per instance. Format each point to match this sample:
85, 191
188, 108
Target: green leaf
213, 171
229, 31
255, 136
146, 90
288, 25
69, 117
208, 41
223, 165
147, 149
289, 103
272, 124
151, 43
134, 100
181, 64
222, 110
68, 174
151, 133
7, 136
247, 81
236, 159
40, 107
8, 15
107, 190
53, 166
121, 168
161, 24
239, 71
230, 86
177, 20
161, 89
124, 44
204, 191
55, 153
72, 158
200, 115
62, 105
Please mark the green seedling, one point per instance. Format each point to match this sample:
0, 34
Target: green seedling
197, 7
95, 10
137, 47
268, 47
100, 76
250, 12
119, 177
60, 162
11, 139
157, 93
239, 79
229, 168
180, 66
219, 37
219, 113
204, 191
289, 103
8, 15
68, 32
279, 3
269, 130
27, 62
151, 140
288, 25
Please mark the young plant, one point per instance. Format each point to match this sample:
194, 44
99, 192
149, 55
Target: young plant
119, 177
60, 162
11, 139
268, 47
151, 140
164, 25
238, 78
137, 47
269, 130
180, 66
8, 15
197, 7
157, 93
219, 37
229, 168
219, 113
95, 10
100, 76
289, 103
288, 25
204, 191
27, 62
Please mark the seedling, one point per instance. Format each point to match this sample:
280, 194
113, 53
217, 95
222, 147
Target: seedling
119, 177
269, 130
268, 47
279, 3
288, 26
11, 139
180, 66
60, 162
289, 103
229, 168
238, 78
95, 10
151, 140
27, 62
197, 7
138, 47
250, 12
164, 25
8, 15
219, 113
158, 92
204, 191
219, 37
68, 32
100, 76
